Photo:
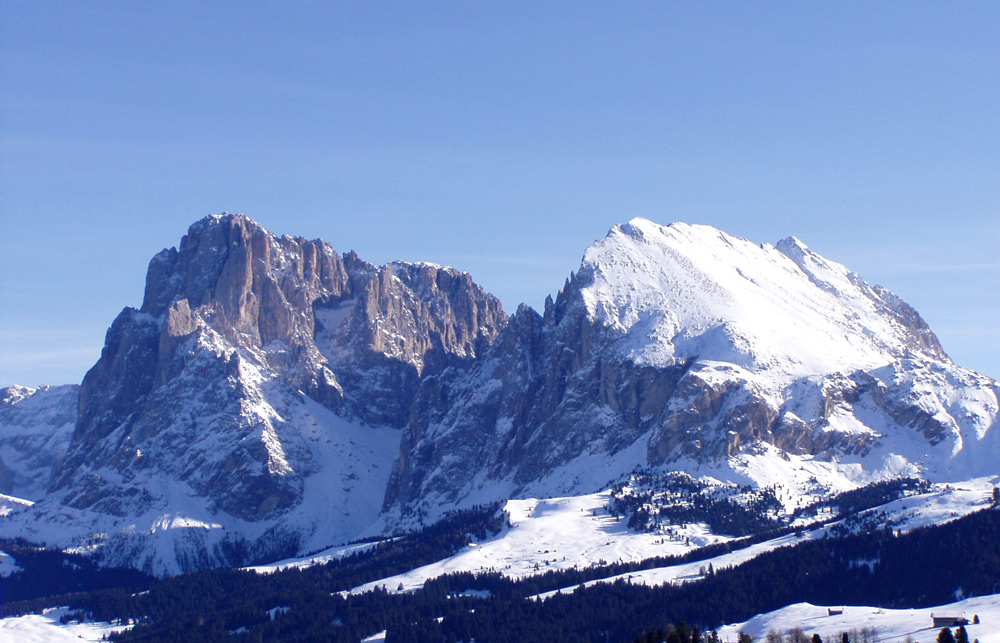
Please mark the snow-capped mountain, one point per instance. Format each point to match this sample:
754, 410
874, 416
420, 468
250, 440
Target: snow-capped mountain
273, 397
682, 347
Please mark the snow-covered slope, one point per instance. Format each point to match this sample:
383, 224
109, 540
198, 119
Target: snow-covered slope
563, 533
942, 504
681, 292
47, 628
343, 467
35, 428
890, 625
556, 534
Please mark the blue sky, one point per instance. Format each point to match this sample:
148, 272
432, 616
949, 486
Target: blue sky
501, 138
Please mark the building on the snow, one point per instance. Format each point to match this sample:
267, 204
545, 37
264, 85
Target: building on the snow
949, 621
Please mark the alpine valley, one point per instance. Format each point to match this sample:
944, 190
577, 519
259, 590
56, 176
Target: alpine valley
690, 409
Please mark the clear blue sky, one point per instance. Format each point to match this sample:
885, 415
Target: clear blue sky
501, 138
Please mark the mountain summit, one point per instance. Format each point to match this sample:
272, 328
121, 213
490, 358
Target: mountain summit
253, 404
683, 347
683, 292
272, 396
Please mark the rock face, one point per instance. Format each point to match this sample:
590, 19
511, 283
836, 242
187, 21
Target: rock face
272, 396
682, 347
243, 342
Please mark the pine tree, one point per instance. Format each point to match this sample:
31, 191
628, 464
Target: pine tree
817, 638
945, 636
961, 636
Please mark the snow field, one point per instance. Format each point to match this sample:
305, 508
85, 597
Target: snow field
46, 628
891, 625
555, 534
562, 533
943, 504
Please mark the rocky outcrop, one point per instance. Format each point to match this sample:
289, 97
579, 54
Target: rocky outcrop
404, 323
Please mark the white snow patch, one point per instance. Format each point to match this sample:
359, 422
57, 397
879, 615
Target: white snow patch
8, 565
46, 628
325, 556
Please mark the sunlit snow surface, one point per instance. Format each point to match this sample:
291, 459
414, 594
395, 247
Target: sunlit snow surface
559, 533
891, 625
320, 558
943, 504
46, 628
563, 533
7, 564
783, 312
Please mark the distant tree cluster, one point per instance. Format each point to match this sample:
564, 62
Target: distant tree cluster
310, 604
657, 502
654, 502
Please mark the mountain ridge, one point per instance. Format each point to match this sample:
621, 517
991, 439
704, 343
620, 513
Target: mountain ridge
271, 396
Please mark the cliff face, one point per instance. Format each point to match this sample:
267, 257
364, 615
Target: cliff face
242, 341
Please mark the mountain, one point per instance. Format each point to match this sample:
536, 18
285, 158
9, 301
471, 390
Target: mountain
253, 404
682, 347
272, 397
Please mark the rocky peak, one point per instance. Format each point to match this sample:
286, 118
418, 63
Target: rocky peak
237, 322
235, 270
414, 310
